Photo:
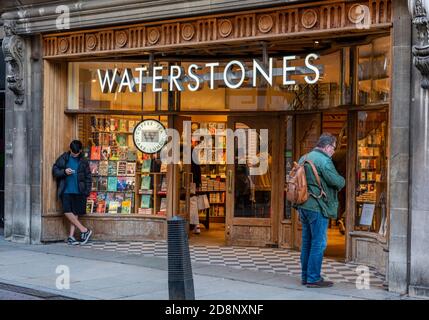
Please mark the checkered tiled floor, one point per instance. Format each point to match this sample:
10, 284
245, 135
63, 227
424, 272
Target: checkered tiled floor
260, 259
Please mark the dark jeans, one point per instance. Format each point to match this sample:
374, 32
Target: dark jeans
314, 240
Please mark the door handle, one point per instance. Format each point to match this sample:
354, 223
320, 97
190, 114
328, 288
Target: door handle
229, 181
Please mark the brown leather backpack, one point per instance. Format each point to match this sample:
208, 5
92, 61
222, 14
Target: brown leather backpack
296, 183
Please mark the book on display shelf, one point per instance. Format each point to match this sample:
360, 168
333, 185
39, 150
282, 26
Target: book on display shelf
114, 153
122, 125
146, 201
89, 206
121, 168
103, 168
102, 184
112, 184
114, 125
126, 207
113, 207
145, 184
131, 169
105, 153
146, 166
130, 184
131, 155
163, 184
123, 153
131, 125
93, 167
121, 140
104, 139
94, 183
122, 184
112, 167
93, 196
95, 153
101, 206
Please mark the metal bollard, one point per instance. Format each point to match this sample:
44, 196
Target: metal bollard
180, 280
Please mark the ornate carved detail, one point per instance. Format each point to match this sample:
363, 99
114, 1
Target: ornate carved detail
265, 23
356, 13
225, 28
421, 51
13, 49
309, 18
188, 31
63, 45
91, 41
121, 38
153, 35
261, 24
421, 61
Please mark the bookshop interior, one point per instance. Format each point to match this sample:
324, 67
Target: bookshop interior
222, 202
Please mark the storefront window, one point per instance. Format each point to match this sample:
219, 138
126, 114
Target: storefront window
124, 180
85, 90
372, 172
374, 71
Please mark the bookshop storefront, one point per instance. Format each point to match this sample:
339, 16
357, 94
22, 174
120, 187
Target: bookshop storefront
278, 77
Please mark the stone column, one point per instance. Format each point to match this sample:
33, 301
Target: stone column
419, 140
23, 136
399, 150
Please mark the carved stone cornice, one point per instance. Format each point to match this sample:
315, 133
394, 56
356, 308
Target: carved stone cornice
13, 49
316, 18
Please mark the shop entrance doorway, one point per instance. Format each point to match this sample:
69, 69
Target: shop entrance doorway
232, 203
308, 128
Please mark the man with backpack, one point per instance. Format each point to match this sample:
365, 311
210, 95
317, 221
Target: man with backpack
313, 187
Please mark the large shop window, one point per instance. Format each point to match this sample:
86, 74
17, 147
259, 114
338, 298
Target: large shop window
371, 198
85, 91
331, 90
124, 180
374, 71
326, 93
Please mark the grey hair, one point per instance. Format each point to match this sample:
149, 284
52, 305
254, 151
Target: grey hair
326, 139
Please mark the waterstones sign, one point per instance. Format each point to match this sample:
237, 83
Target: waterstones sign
236, 74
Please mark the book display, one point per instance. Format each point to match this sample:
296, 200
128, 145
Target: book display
213, 169
123, 180
152, 193
371, 171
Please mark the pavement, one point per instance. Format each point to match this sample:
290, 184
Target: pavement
59, 271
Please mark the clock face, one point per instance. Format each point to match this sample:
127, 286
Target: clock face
150, 136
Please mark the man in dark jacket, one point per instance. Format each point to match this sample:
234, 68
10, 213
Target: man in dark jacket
73, 187
316, 211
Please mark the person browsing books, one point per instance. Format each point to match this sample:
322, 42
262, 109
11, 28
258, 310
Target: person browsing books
73, 177
321, 205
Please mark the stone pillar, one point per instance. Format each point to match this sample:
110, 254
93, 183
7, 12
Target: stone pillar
23, 137
419, 146
399, 150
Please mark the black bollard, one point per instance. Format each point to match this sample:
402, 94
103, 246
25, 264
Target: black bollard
180, 280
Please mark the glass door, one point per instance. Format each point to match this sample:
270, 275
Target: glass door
252, 187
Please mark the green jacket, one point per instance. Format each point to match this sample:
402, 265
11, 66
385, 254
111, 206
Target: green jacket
331, 182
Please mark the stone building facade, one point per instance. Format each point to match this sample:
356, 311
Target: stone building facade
24, 49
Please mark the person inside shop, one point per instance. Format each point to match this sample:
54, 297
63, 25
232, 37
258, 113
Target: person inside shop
242, 190
318, 209
73, 177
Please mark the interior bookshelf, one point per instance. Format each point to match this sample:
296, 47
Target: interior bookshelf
213, 169
117, 168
